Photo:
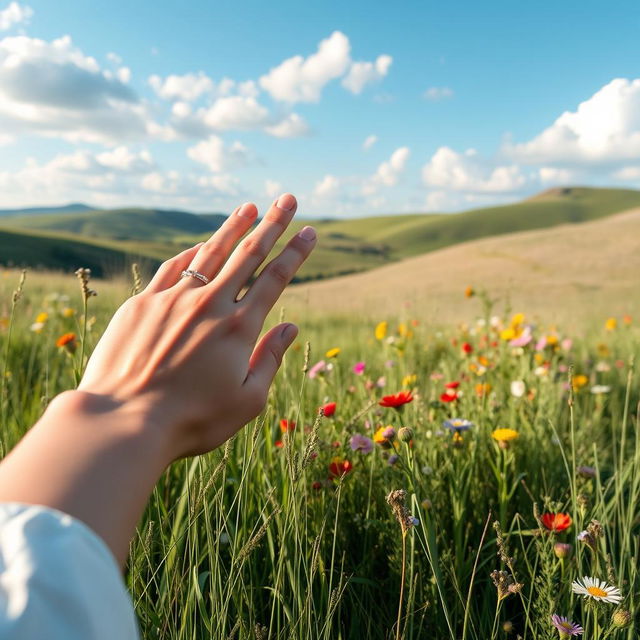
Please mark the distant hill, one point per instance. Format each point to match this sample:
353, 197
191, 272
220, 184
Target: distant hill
121, 224
30, 211
345, 245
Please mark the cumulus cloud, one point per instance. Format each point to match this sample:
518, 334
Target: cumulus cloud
272, 188
468, 172
435, 94
53, 89
327, 188
369, 141
235, 112
187, 87
217, 156
603, 130
291, 126
363, 73
14, 14
388, 173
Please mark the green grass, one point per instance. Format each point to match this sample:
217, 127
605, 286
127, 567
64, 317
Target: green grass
345, 246
254, 535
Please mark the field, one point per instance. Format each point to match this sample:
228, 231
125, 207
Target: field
511, 470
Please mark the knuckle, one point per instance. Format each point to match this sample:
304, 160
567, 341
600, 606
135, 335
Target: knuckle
274, 217
280, 273
211, 249
255, 247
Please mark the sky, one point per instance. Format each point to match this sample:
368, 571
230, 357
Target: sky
358, 108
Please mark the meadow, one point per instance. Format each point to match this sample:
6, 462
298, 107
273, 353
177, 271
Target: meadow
459, 481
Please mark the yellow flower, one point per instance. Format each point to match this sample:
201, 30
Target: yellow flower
381, 330
68, 312
579, 381
42, 317
409, 380
611, 324
504, 435
508, 334
469, 292
517, 319
552, 339
332, 353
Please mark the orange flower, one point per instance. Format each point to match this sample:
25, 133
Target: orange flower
67, 341
556, 521
482, 389
339, 467
396, 401
469, 292
287, 425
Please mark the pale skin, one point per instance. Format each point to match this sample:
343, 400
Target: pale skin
178, 371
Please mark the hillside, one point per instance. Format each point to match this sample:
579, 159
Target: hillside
74, 207
560, 272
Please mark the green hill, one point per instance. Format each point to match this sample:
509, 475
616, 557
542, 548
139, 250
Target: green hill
74, 207
345, 246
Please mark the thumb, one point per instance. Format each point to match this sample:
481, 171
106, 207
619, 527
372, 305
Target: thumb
267, 356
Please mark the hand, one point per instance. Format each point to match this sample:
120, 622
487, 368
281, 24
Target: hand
184, 353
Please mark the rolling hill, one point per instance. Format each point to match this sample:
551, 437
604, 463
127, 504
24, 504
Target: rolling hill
74, 207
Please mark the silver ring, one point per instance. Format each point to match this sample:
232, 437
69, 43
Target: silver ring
194, 274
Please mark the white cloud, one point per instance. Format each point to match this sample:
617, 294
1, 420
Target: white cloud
235, 112
114, 58
215, 155
435, 94
369, 141
272, 188
187, 88
53, 89
604, 130
388, 173
363, 73
122, 159
327, 188
630, 173
301, 80
292, 126
556, 175
14, 14
467, 172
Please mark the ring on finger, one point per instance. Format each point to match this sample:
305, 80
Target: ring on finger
192, 273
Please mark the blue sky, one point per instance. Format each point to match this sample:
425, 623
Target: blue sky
358, 108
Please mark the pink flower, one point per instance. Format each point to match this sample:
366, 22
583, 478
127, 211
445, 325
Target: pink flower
317, 369
358, 368
361, 443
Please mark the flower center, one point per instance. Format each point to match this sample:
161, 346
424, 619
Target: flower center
567, 625
597, 593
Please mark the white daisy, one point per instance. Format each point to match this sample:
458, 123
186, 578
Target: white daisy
596, 589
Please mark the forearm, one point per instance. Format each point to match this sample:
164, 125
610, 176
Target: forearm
92, 459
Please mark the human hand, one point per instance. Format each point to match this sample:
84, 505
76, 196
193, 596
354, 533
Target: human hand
186, 354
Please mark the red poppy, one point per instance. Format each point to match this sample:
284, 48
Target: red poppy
287, 425
452, 385
556, 521
316, 485
279, 444
329, 409
339, 468
397, 400
65, 339
448, 396
467, 348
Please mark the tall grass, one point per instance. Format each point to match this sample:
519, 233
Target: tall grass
258, 540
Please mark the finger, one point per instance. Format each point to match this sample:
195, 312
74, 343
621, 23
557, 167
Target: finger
253, 250
169, 271
215, 251
273, 279
266, 359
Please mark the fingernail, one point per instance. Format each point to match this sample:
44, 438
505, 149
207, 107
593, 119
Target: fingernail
286, 202
246, 210
307, 233
289, 332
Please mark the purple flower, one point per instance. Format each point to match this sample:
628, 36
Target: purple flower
358, 368
361, 443
317, 369
389, 433
565, 627
393, 458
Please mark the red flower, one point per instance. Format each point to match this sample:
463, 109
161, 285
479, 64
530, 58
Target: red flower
65, 339
279, 444
316, 485
448, 396
287, 425
339, 467
329, 409
556, 521
467, 348
452, 385
397, 400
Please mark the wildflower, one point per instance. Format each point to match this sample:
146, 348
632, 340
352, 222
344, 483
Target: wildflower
621, 618
361, 443
381, 330
627, 319
409, 380
600, 389
405, 434
380, 382
332, 353
393, 458
42, 317
504, 436
452, 385
596, 589
565, 627
67, 341
396, 401
482, 389
523, 339
328, 409
457, 425
469, 292
518, 388
68, 312
358, 368
279, 444
316, 485
505, 584
317, 369
287, 425
467, 348
610, 324
426, 504
339, 467
586, 471
556, 522
579, 381
448, 396
384, 436
562, 550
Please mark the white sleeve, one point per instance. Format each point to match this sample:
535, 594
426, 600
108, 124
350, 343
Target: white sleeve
59, 580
